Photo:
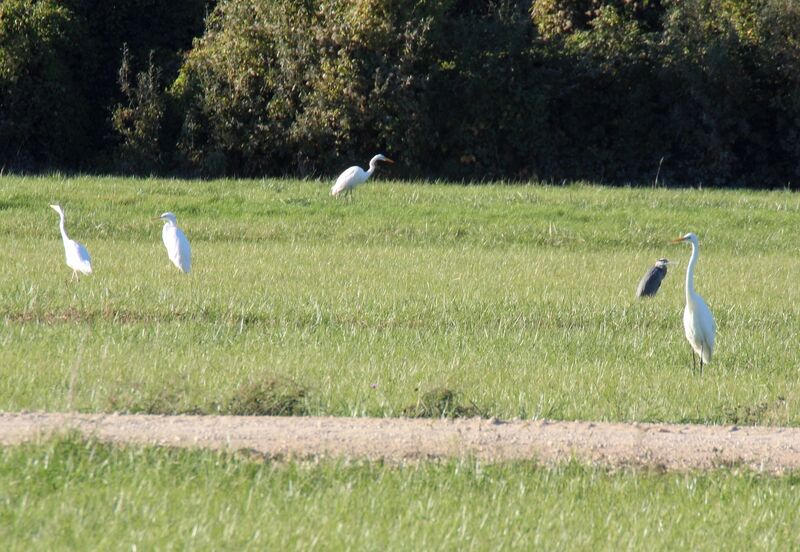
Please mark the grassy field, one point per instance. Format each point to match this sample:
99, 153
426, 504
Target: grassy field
520, 299
68, 494
517, 299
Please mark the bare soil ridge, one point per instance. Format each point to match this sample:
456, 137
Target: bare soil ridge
401, 440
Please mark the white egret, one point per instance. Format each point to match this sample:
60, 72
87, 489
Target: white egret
354, 176
176, 243
698, 323
78, 258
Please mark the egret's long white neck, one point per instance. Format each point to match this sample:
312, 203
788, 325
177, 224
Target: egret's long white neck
690, 272
61, 227
372, 165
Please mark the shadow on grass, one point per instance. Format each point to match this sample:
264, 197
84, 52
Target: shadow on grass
269, 397
761, 413
442, 402
757, 414
161, 401
262, 397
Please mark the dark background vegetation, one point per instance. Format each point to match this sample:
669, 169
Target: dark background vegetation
605, 90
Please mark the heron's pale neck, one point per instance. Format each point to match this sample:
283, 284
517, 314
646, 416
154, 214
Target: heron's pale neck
61, 227
690, 272
372, 165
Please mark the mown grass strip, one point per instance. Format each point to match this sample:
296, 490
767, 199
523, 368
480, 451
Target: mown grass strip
85, 495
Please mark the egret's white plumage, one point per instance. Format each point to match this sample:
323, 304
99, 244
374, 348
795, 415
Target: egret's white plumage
78, 258
698, 322
354, 176
176, 243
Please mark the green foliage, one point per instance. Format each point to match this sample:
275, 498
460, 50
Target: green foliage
559, 17
42, 106
58, 74
461, 89
591, 89
698, 87
282, 85
139, 122
155, 33
490, 96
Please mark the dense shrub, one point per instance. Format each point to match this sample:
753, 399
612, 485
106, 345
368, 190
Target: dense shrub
700, 86
713, 58
139, 120
557, 17
780, 57
282, 86
42, 109
155, 32
472, 89
490, 95
58, 71
476, 89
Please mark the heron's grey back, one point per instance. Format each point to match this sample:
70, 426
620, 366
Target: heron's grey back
650, 282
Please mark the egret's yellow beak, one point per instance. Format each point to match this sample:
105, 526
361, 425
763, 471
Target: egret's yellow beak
156, 218
678, 240
387, 160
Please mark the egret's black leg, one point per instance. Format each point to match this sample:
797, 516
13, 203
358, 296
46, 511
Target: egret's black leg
701, 360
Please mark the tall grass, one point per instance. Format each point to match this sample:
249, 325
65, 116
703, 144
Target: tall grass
518, 298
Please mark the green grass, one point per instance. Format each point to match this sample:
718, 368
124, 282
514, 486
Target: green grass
70, 494
519, 299
418, 299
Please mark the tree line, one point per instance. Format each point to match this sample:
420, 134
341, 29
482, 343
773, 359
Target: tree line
698, 91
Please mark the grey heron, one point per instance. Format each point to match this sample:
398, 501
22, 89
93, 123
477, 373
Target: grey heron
650, 282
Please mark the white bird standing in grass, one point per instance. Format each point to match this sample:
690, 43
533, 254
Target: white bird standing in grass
354, 176
698, 323
77, 256
176, 243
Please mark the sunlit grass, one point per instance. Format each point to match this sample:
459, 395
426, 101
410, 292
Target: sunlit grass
70, 494
520, 298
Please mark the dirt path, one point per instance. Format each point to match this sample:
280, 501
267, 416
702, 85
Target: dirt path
663, 446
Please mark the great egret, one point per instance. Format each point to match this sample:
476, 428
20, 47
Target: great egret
176, 243
78, 258
354, 176
650, 282
698, 323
